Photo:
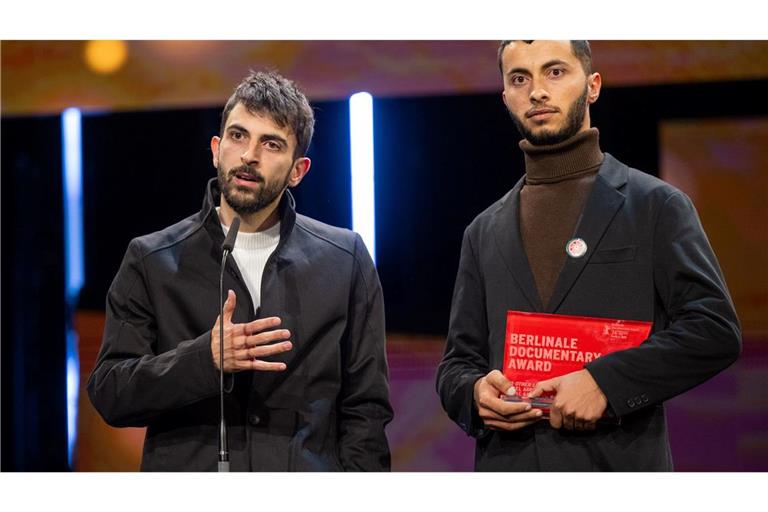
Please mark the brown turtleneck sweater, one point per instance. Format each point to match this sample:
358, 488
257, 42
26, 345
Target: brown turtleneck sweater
558, 179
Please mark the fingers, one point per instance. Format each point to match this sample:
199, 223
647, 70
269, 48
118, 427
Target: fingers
545, 386
500, 414
497, 409
258, 365
251, 358
558, 419
567, 419
500, 383
264, 366
582, 425
263, 351
555, 418
266, 337
526, 416
507, 409
571, 423
261, 324
229, 307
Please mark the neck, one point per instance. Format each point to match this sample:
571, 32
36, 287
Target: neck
568, 159
253, 222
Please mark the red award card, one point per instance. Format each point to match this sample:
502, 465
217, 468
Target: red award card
540, 346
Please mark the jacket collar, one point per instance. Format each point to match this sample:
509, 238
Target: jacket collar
603, 203
210, 219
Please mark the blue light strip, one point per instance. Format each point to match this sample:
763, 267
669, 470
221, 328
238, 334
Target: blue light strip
74, 265
361, 141
73, 202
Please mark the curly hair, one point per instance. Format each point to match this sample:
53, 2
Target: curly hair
270, 93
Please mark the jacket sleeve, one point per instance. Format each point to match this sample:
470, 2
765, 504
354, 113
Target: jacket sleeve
696, 331
466, 356
132, 383
364, 408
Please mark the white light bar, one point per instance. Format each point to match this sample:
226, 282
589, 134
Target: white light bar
74, 264
73, 202
361, 143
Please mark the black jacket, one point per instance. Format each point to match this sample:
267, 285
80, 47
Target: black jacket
648, 259
326, 412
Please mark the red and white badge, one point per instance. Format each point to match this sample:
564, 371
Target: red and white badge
576, 248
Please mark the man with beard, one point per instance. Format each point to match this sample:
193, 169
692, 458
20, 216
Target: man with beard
581, 234
306, 372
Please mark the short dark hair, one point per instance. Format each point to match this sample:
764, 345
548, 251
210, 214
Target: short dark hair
267, 92
579, 48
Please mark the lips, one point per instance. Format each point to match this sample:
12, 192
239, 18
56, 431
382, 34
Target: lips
540, 111
246, 176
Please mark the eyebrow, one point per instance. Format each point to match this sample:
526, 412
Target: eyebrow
546, 65
235, 126
265, 137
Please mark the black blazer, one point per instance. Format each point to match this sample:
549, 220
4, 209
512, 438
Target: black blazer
326, 412
648, 258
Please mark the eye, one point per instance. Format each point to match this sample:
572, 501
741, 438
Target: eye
236, 135
556, 72
273, 145
518, 80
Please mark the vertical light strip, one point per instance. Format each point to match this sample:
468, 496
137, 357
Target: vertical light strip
73, 201
74, 265
361, 142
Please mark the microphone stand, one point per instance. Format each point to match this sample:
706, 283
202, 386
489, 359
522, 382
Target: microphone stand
223, 450
227, 247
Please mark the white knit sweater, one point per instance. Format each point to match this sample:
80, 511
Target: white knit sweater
251, 253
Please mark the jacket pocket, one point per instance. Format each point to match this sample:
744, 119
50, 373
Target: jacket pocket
618, 255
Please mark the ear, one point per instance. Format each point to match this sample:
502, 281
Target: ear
215, 150
299, 170
595, 82
504, 99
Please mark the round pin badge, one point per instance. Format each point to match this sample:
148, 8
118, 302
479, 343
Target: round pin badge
576, 248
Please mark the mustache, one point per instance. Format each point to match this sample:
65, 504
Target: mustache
246, 169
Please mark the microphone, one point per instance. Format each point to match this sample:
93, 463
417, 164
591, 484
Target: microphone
226, 248
229, 241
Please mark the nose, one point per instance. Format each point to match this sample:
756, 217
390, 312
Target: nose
538, 93
251, 155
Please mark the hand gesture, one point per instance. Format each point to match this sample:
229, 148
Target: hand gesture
578, 401
246, 344
496, 413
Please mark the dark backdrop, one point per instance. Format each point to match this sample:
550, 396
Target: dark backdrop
439, 162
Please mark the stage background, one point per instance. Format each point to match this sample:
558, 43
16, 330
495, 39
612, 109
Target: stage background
692, 113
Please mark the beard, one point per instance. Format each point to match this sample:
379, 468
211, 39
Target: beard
247, 201
573, 123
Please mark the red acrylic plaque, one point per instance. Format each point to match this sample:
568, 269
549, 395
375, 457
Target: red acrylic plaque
540, 346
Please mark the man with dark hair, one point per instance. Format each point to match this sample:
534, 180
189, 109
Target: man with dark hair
581, 234
306, 371
580, 49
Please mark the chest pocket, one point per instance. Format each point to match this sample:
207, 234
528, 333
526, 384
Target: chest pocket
618, 255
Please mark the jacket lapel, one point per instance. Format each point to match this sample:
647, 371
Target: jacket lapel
506, 227
602, 205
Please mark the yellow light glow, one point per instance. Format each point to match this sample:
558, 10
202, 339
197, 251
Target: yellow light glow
105, 57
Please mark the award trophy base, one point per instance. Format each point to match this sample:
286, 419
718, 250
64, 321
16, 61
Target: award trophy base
545, 404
